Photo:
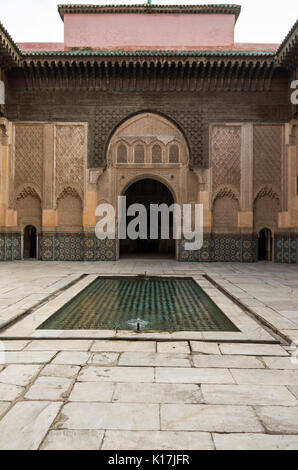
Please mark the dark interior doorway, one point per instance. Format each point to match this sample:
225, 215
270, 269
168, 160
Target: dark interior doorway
265, 245
30, 242
149, 191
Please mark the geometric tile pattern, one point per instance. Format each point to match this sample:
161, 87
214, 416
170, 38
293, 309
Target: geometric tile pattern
75, 247
222, 248
86, 247
286, 248
10, 246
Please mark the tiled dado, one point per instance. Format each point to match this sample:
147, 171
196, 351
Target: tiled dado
229, 248
75, 247
10, 246
286, 248
84, 247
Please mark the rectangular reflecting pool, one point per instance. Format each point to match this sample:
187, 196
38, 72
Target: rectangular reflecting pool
140, 303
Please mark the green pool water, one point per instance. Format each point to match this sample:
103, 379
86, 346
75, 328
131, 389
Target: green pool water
150, 304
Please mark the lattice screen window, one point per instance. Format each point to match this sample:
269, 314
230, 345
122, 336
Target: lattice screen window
156, 154
139, 154
174, 154
121, 154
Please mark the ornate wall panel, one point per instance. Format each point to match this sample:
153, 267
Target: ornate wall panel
29, 211
226, 152
190, 122
225, 214
69, 209
28, 156
70, 152
267, 150
266, 208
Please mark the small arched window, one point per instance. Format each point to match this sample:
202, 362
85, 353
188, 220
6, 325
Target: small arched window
139, 154
174, 154
156, 154
121, 154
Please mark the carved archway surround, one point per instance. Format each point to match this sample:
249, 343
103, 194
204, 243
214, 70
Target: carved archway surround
118, 177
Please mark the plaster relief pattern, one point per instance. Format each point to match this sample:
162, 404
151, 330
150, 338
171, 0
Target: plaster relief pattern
267, 151
226, 150
70, 158
29, 156
190, 122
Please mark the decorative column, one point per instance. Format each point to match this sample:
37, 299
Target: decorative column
288, 218
8, 216
89, 219
49, 217
245, 215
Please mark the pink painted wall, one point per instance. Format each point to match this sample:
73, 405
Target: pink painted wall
143, 31
41, 46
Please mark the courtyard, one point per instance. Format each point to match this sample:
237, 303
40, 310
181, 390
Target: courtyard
117, 389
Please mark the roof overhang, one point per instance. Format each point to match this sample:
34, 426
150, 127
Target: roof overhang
287, 54
9, 51
149, 8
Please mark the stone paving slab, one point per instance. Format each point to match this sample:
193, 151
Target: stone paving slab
14, 345
157, 440
104, 358
255, 442
94, 392
53, 370
10, 392
153, 359
28, 357
195, 376
265, 377
56, 345
157, 393
294, 391
4, 405
122, 346
204, 348
227, 361
49, 388
253, 349
73, 440
278, 419
248, 394
122, 416
19, 374
281, 363
175, 347
26, 424
116, 374
72, 358
216, 418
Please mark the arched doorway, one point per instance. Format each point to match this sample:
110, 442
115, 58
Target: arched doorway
149, 191
265, 245
30, 242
